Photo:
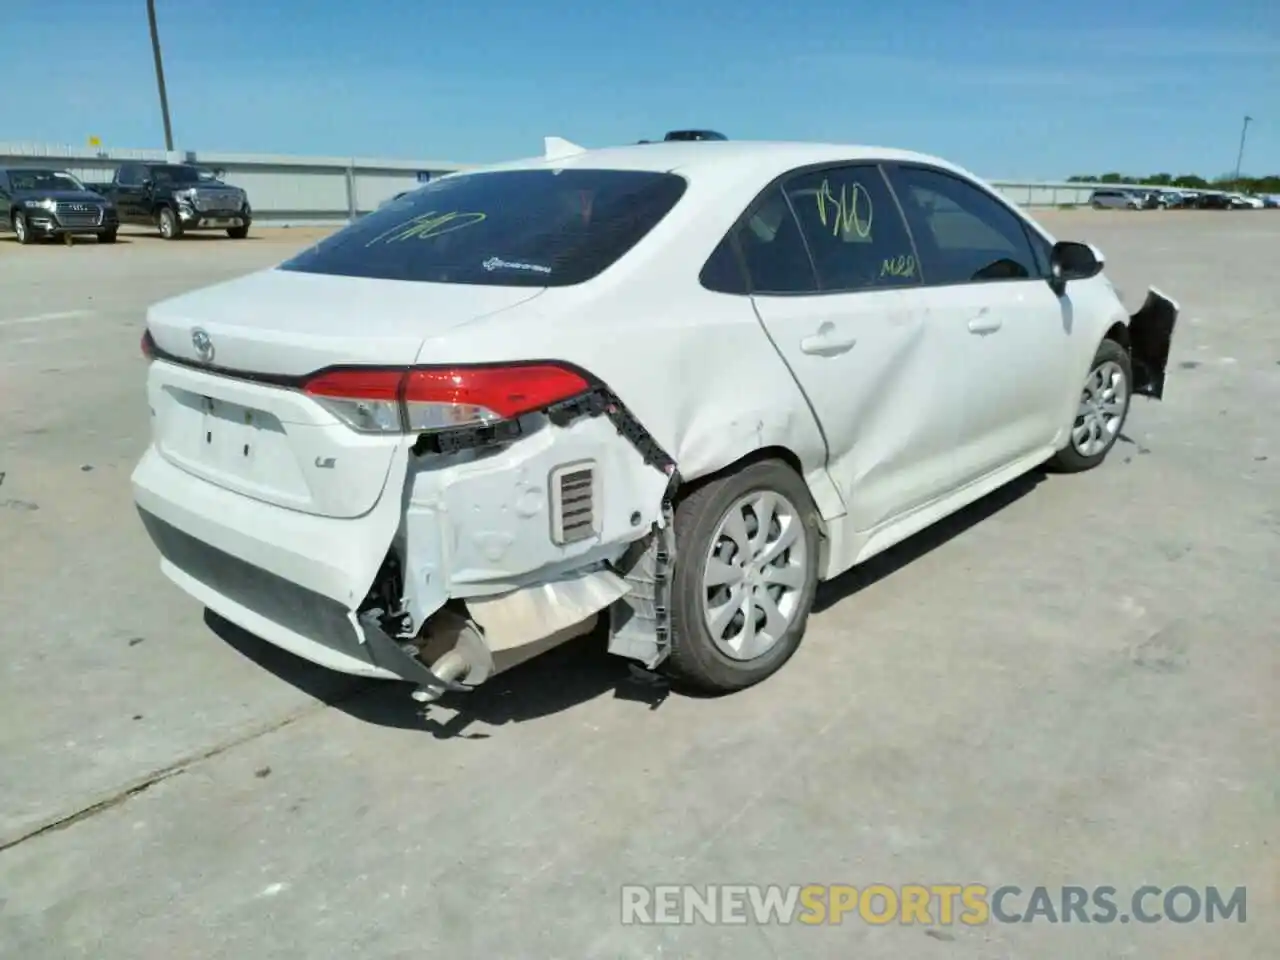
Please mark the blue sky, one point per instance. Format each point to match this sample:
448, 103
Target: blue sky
1008, 89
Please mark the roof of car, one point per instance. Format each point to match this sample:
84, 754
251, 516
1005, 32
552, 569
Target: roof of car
746, 157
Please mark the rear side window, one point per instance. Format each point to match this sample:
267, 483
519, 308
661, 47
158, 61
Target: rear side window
853, 229
773, 249
516, 228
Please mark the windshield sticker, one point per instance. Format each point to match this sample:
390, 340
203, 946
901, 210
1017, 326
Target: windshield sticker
427, 225
850, 212
903, 266
494, 263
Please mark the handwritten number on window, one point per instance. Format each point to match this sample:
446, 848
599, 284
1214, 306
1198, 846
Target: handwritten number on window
848, 211
427, 225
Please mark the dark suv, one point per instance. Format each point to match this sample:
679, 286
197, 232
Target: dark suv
38, 203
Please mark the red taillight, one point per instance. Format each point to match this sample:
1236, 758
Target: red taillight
435, 398
357, 384
507, 392
148, 345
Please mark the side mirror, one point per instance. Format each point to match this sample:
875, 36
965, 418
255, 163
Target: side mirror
1070, 260
147, 183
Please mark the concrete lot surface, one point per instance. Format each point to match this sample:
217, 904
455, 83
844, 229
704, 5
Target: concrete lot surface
1074, 682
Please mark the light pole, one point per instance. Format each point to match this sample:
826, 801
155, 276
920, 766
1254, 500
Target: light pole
1240, 156
164, 97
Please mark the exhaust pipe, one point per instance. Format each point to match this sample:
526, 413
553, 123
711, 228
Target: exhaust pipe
465, 656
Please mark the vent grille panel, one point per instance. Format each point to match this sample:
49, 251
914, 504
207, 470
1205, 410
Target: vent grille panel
573, 504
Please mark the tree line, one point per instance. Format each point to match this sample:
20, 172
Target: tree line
1226, 182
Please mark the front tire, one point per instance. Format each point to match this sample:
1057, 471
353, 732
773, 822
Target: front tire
745, 577
22, 229
107, 236
238, 233
1101, 412
170, 225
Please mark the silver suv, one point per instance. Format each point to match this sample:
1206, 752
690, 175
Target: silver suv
1126, 199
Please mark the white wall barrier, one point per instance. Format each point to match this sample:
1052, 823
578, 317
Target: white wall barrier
289, 190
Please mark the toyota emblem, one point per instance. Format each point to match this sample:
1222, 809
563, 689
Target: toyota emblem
204, 346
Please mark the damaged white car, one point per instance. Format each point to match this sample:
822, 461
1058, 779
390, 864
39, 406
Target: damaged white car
670, 385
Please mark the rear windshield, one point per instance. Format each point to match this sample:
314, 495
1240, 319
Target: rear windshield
516, 228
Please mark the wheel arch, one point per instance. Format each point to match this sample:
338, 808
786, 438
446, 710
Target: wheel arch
784, 454
821, 497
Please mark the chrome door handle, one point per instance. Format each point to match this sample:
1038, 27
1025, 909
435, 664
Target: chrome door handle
824, 344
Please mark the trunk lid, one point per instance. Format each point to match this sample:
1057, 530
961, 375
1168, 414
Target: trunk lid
219, 421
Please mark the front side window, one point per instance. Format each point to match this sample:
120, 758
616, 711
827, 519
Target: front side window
513, 228
853, 229
964, 235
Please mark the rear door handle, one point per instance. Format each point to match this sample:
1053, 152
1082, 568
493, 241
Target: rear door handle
824, 343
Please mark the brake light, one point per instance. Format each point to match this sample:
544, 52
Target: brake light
367, 400
424, 399
148, 346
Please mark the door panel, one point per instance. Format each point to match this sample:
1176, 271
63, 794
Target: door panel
889, 404
835, 285
985, 286
1010, 343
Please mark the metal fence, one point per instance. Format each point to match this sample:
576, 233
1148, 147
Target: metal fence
289, 190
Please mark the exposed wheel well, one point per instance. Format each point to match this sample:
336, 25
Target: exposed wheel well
1119, 332
755, 456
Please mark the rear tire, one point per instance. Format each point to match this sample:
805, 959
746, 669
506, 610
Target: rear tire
1101, 413
238, 233
170, 225
728, 569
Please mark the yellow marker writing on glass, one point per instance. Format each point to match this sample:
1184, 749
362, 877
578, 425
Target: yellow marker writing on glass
427, 225
850, 211
903, 266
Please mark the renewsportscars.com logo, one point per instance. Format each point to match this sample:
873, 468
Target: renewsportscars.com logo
942, 904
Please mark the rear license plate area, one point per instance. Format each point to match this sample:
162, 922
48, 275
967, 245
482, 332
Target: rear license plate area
230, 434
217, 437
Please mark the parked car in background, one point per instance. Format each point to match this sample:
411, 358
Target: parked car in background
1212, 200
454, 433
176, 198
1271, 201
39, 203
1246, 201
1113, 198
1171, 199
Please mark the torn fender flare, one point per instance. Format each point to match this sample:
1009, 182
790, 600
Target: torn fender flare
1150, 341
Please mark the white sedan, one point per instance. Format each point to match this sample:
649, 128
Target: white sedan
670, 386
